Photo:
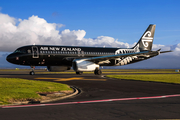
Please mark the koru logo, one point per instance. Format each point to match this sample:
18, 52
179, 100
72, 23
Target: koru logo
146, 38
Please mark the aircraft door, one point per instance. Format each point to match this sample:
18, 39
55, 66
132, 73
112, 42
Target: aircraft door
35, 52
80, 53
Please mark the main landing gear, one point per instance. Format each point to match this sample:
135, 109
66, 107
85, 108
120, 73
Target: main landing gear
97, 72
32, 72
79, 73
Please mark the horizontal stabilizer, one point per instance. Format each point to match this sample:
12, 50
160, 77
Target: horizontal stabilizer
166, 51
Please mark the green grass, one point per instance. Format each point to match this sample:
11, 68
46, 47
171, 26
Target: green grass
13, 89
166, 78
120, 71
105, 71
129, 71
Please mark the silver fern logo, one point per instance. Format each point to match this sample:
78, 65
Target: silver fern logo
146, 39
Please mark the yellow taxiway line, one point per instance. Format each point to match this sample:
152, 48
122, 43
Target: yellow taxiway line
69, 79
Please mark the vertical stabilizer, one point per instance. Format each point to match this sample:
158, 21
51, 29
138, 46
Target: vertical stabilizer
146, 41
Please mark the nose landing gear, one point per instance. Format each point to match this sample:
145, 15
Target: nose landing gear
32, 72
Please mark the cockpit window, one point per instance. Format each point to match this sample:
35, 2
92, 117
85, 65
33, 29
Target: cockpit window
19, 51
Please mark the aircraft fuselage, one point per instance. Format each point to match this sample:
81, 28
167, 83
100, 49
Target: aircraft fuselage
61, 58
43, 55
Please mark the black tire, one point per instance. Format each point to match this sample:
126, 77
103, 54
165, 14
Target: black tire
97, 72
79, 73
32, 73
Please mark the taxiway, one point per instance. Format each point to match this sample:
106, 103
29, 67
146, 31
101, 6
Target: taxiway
95, 87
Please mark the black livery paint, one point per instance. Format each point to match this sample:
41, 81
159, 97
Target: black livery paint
60, 58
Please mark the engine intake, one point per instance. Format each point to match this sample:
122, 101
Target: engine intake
83, 65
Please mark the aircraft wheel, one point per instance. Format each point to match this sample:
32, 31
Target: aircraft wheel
79, 73
32, 73
97, 72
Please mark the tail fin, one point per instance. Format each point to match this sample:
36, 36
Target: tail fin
146, 41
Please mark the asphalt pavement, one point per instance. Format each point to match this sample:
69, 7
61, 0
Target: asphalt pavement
97, 88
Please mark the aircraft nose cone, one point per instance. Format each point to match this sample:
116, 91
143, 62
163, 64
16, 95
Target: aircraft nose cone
10, 58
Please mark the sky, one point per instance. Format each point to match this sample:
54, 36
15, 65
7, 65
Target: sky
110, 23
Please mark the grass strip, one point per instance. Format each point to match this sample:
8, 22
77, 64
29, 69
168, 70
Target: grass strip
166, 78
15, 89
106, 71
126, 71
115, 72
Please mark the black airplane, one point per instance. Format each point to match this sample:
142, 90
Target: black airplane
61, 58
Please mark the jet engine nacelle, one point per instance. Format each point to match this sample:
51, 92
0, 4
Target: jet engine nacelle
58, 68
83, 65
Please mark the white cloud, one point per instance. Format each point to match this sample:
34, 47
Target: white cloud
15, 33
6, 19
33, 30
162, 47
177, 49
174, 48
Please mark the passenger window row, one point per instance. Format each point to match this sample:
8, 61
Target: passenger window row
85, 53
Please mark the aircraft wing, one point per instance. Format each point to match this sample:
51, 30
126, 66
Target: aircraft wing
144, 53
102, 58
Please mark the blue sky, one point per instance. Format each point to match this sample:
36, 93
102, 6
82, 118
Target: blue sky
121, 20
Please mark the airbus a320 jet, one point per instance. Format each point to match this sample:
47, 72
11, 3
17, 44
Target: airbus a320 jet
61, 58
